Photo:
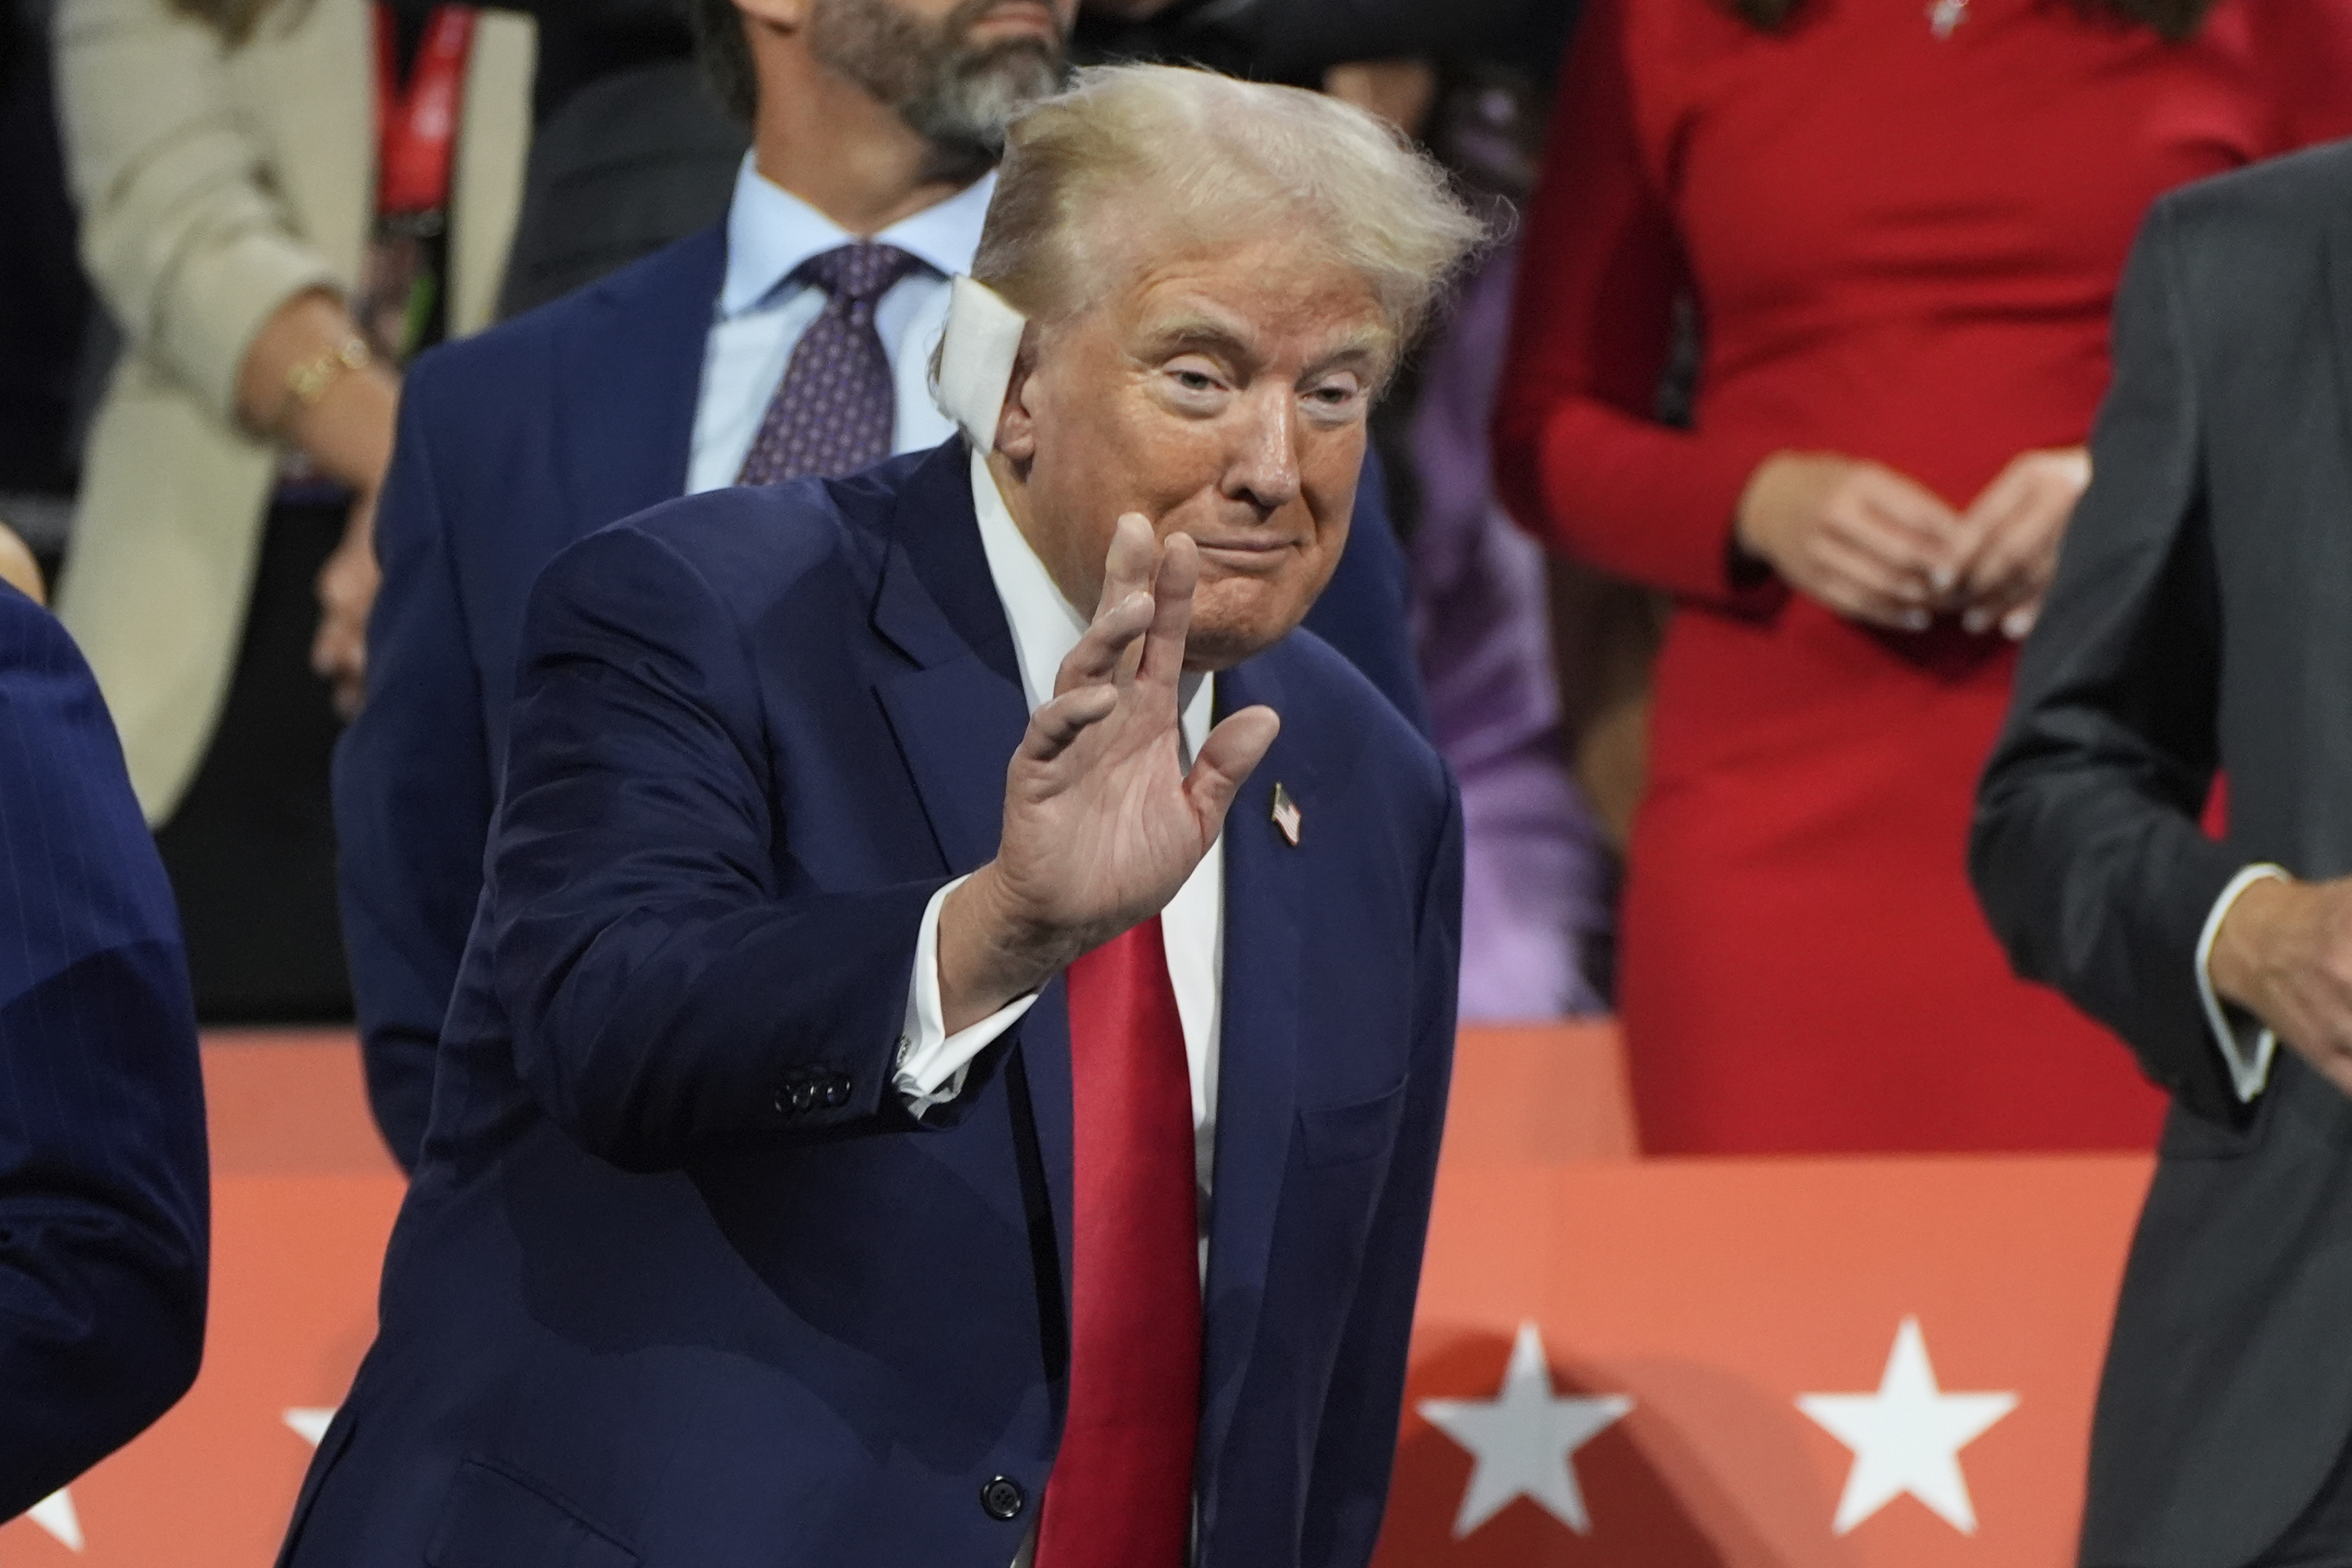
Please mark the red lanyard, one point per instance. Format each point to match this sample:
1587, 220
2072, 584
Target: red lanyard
415, 130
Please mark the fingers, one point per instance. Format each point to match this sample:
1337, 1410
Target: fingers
1095, 660
1906, 525
1172, 617
1128, 567
2015, 528
1230, 754
1056, 726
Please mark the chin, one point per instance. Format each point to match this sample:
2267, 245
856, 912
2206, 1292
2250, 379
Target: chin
1221, 641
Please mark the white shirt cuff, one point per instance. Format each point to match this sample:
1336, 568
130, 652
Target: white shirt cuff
933, 1063
2245, 1045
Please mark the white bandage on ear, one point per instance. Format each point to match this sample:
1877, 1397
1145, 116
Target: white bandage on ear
975, 364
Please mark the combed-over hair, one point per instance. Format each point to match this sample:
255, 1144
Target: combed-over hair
1215, 160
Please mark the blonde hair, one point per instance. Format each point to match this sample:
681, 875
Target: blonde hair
1215, 158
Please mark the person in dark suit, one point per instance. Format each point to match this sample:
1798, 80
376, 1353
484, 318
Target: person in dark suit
891, 1112
658, 381
102, 1197
2198, 627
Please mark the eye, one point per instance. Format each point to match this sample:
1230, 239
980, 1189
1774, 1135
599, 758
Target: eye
1340, 397
1194, 380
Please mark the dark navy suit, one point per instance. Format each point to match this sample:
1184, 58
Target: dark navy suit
639, 1308
102, 1199
512, 444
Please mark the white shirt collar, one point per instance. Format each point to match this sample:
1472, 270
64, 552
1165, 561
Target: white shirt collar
1045, 625
770, 231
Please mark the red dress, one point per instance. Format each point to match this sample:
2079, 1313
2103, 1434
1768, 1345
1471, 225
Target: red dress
1903, 248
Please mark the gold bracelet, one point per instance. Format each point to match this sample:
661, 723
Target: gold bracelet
308, 382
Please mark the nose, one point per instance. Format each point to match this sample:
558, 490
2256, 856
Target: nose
1265, 467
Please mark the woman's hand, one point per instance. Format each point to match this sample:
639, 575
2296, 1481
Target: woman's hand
347, 585
1859, 537
2012, 533
345, 428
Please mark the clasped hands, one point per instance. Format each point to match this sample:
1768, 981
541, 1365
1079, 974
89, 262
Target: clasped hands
1102, 821
1880, 548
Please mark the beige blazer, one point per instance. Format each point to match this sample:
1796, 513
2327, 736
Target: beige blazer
215, 184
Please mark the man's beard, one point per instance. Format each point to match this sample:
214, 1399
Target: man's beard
957, 96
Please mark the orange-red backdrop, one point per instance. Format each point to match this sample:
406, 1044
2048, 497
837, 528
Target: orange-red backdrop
1702, 1300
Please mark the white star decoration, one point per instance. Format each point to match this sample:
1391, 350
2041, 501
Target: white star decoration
1523, 1439
1907, 1438
55, 1514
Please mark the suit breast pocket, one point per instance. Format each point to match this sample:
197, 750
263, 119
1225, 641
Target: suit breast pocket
493, 1520
1341, 1134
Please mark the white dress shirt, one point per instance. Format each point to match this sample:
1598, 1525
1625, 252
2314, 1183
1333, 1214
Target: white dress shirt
1045, 628
2246, 1046
761, 313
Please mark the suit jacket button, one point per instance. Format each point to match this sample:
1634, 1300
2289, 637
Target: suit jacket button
1002, 1498
803, 1096
836, 1091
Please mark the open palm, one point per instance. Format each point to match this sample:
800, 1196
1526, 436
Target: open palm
1102, 821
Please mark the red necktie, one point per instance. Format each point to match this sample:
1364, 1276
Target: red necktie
1121, 1491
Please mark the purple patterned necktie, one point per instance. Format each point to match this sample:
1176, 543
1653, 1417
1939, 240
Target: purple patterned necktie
833, 411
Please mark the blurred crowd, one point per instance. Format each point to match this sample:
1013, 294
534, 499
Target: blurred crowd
1721, 492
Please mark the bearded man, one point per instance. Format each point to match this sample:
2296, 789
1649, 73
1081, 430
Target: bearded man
794, 340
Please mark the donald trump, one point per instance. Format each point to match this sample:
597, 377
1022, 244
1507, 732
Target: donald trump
950, 1063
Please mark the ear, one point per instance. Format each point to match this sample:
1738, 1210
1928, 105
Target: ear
1016, 425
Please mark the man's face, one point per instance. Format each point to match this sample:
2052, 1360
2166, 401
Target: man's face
954, 69
1221, 394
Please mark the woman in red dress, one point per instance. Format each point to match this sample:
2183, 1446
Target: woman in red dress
1902, 224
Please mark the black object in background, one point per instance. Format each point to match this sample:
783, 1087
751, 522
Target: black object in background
1298, 41
631, 152
46, 307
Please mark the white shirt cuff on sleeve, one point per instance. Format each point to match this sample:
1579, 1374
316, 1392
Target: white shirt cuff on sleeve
2245, 1045
933, 1063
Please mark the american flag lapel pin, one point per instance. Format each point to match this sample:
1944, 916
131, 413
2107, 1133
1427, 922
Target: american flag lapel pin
1286, 815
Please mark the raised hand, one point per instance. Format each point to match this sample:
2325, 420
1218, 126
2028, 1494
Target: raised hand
1102, 821
2012, 533
1859, 537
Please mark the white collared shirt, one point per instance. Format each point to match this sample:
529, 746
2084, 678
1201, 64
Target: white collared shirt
2245, 1045
761, 313
1045, 628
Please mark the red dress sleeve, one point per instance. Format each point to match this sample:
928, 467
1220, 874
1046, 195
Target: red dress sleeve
2303, 55
1579, 459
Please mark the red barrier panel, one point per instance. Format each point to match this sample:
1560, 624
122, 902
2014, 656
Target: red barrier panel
1668, 1364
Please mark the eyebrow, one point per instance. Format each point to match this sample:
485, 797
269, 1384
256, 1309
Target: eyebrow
1195, 333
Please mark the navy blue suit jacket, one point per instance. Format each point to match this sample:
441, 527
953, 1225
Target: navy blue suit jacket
512, 444
102, 1198
643, 1305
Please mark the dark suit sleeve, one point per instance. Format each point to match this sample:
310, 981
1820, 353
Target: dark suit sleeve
662, 981
412, 796
2086, 852
102, 1180
1363, 610
1348, 1489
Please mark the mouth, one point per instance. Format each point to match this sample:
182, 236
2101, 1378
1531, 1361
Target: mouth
1246, 555
1017, 18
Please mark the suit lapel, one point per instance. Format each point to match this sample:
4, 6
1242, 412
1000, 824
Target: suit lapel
628, 374
957, 717
1257, 1069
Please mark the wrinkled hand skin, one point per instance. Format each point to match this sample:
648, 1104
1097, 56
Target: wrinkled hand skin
2285, 953
1102, 822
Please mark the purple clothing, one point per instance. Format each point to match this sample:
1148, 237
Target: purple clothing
1536, 889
